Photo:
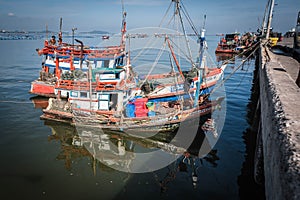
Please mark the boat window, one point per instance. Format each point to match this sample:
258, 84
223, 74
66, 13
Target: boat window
74, 94
98, 63
111, 64
94, 95
113, 102
104, 97
106, 63
83, 94
119, 61
103, 105
107, 76
104, 101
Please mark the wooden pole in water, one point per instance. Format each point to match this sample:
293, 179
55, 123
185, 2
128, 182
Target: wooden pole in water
90, 83
72, 54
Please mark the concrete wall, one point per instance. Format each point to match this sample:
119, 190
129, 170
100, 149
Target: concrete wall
280, 128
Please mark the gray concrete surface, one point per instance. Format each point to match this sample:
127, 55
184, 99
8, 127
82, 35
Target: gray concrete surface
280, 125
287, 45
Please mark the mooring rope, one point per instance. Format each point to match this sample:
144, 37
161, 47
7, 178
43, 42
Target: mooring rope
230, 75
240, 82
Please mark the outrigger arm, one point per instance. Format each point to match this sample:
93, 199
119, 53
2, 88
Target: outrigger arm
174, 57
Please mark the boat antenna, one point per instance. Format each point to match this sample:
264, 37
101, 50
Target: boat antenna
81, 52
47, 31
203, 27
123, 26
202, 41
60, 32
123, 7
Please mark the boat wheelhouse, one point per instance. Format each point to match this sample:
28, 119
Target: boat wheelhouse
66, 63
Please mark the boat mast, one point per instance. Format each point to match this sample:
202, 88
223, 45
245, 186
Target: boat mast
176, 62
123, 26
47, 32
202, 41
263, 28
81, 52
270, 19
90, 83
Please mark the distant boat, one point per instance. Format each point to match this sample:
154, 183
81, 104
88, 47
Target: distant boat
105, 37
235, 43
229, 44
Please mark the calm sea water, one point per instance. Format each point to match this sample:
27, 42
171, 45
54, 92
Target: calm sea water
38, 160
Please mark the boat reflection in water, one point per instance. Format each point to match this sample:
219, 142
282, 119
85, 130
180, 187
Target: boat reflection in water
107, 149
39, 102
225, 57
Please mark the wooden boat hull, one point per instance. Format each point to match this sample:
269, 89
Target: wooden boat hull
226, 51
41, 88
139, 124
39, 102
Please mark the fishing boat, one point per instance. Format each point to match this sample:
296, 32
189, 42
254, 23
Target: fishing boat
229, 44
235, 43
64, 61
105, 37
113, 96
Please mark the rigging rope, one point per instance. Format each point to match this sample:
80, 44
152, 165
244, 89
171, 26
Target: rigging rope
233, 90
152, 41
155, 62
225, 79
184, 32
189, 19
160, 24
242, 53
180, 50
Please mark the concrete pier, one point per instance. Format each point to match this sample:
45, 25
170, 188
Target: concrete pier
279, 103
290, 58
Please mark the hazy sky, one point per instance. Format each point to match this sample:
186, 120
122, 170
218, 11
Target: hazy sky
222, 16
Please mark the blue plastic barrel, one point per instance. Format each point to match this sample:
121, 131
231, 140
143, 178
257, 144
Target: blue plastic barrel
130, 109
